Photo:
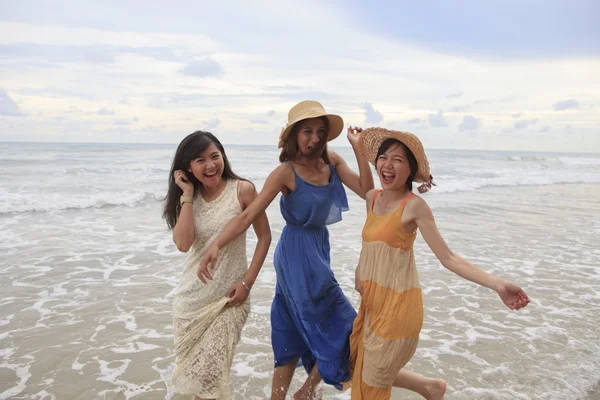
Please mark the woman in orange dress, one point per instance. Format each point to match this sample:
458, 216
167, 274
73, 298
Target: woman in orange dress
386, 331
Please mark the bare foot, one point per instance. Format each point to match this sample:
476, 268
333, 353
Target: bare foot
314, 393
302, 395
436, 388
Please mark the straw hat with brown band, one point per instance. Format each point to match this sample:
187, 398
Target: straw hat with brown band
311, 109
371, 139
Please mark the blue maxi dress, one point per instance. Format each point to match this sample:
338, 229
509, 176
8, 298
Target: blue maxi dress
311, 318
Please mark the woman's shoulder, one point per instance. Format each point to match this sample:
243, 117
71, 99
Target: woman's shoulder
245, 186
283, 171
245, 192
369, 195
416, 204
415, 200
332, 155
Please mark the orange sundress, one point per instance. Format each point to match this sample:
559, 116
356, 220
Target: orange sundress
386, 331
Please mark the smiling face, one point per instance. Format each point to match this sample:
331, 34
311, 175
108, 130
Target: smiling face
208, 167
395, 165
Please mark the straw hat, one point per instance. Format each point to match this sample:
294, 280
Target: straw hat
371, 139
311, 109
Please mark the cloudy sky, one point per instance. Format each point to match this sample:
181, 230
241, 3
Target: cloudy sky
471, 74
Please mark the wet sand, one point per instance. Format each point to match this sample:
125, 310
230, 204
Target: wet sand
595, 394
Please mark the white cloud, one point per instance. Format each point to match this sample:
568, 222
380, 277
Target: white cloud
206, 67
524, 123
517, 115
156, 102
104, 111
81, 36
545, 129
211, 124
414, 121
521, 124
259, 121
461, 108
267, 74
469, 123
372, 116
454, 95
437, 120
7, 105
566, 105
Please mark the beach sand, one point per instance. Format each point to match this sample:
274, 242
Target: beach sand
595, 394
88, 272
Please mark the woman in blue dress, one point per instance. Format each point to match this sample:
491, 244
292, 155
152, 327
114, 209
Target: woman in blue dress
311, 319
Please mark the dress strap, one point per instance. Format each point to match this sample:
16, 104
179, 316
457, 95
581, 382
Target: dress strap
291, 165
238, 187
374, 197
232, 188
293, 169
406, 199
401, 204
332, 171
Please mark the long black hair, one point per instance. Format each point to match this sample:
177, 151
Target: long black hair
412, 161
188, 150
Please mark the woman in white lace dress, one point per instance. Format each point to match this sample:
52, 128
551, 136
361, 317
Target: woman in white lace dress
208, 316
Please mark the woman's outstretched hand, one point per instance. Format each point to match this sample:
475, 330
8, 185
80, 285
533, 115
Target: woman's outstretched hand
353, 134
207, 263
512, 295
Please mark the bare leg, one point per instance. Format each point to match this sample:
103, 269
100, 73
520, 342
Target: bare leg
431, 389
307, 390
282, 377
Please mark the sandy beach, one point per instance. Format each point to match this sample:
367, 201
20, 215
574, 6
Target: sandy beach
88, 270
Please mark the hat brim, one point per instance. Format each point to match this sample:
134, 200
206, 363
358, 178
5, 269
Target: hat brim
336, 126
371, 139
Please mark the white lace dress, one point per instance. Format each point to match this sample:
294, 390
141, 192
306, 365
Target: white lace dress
206, 331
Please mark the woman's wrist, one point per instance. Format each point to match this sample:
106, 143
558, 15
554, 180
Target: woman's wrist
244, 284
358, 153
216, 245
249, 281
186, 199
496, 283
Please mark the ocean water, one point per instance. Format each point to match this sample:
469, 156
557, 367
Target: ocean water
88, 271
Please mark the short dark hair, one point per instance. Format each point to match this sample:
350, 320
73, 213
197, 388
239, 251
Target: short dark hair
290, 146
412, 161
